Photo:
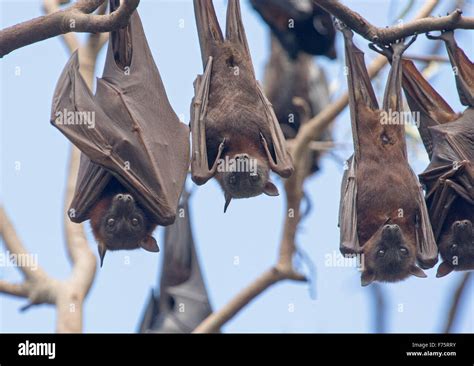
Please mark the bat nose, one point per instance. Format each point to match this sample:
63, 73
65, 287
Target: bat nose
241, 156
127, 198
124, 197
391, 234
392, 228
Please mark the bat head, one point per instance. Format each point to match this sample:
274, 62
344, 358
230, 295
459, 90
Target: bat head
456, 246
119, 223
246, 177
388, 257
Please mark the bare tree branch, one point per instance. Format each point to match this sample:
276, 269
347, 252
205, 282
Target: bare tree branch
70, 39
76, 18
13, 289
357, 23
37, 286
379, 308
213, 322
456, 301
427, 59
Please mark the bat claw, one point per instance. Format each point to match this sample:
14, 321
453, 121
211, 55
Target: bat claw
342, 27
432, 37
383, 50
446, 36
400, 46
221, 146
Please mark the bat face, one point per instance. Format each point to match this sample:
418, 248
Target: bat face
389, 256
456, 246
123, 225
118, 222
248, 177
243, 169
248, 182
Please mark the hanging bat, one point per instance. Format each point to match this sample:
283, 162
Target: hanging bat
183, 302
383, 215
297, 89
449, 141
235, 134
135, 154
300, 26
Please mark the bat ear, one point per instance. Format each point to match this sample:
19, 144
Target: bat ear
150, 244
270, 189
228, 198
102, 251
417, 272
367, 278
444, 269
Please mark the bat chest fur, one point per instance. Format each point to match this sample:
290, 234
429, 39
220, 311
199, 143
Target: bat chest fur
388, 195
237, 140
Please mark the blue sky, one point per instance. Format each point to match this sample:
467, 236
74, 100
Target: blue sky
250, 230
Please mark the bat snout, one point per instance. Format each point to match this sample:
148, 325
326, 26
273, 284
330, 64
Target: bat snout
391, 229
124, 198
462, 231
123, 203
392, 235
241, 157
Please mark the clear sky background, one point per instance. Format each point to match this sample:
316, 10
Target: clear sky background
250, 230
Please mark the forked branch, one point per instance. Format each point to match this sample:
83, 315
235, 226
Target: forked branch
76, 18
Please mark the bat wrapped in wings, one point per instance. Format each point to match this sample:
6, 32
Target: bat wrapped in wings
235, 134
299, 25
298, 91
183, 302
449, 141
135, 154
383, 214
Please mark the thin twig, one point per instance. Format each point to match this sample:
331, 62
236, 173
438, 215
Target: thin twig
358, 24
427, 59
456, 302
379, 308
76, 18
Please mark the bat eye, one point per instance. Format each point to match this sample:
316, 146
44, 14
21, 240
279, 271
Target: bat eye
404, 250
110, 222
232, 180
381, 253
134, 221
454, 246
